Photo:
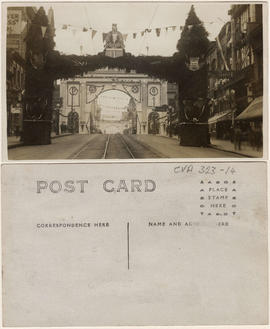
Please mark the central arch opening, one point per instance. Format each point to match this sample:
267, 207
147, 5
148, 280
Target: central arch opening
116, 113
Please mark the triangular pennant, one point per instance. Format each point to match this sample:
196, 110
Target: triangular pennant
142, 33
104, 35
158, 31
64, 27
148, 30
166, 28
173, 28
134, 35
85, 29
94, 32
43, 30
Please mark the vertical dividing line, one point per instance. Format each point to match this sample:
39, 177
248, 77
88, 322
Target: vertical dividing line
128, 245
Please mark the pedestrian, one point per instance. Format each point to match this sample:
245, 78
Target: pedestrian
17, 131
237, 137
258, 138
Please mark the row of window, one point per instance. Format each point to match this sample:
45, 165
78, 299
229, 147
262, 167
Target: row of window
248, 16
18, 76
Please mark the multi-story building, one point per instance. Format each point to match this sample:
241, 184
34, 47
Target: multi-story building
18, 22
81, 93
219, 60
236, 72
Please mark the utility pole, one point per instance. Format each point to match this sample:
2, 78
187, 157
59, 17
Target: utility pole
170, 121
233, 65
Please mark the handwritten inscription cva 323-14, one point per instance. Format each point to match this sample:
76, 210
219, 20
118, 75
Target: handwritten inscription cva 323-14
203, 169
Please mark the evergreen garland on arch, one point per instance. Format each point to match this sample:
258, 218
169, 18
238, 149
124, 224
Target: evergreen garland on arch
193, 42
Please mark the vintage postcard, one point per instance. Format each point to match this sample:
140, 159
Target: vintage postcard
123, 203
140, 80
138, 244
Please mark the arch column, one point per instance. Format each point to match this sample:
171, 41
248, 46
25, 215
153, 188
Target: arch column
144, 114
82, 118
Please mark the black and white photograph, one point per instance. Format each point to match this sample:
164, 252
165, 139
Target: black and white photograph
139, 80
134, 164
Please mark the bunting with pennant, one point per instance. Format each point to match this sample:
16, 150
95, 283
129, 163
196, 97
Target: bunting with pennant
104, 35
158, 32
43, 30
133, 35
94, 32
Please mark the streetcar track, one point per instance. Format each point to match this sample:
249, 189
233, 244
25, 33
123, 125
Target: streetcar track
147, 147
126, 146
123, 143
106, 147
107, 150
83, 148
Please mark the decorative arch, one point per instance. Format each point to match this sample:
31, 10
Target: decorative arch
95, 89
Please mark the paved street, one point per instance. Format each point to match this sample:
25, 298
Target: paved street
98, 146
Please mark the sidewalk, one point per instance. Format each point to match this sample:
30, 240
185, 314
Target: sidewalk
170, 148
14, 141
226, 145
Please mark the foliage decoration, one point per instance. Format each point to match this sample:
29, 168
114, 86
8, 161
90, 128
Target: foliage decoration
45, 65
39, 82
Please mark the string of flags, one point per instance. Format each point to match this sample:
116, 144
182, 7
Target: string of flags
133, 35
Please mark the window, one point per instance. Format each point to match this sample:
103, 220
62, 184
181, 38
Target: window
245, 56
251, 56
244, 18
252, 9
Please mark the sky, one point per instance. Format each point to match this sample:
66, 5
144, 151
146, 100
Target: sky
130, 18
113, 103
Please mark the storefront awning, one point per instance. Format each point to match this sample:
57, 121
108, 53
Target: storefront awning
227, 115
254, 110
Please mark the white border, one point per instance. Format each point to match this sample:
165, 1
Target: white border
266, 125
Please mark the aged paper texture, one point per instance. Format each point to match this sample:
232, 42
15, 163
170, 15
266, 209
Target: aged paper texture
139, 80
134, 244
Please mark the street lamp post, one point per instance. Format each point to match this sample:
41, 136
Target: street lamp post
73, 92
139, 122
170, 120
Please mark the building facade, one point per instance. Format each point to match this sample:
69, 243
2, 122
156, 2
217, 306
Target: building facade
19, 20
235, 63
80, 96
